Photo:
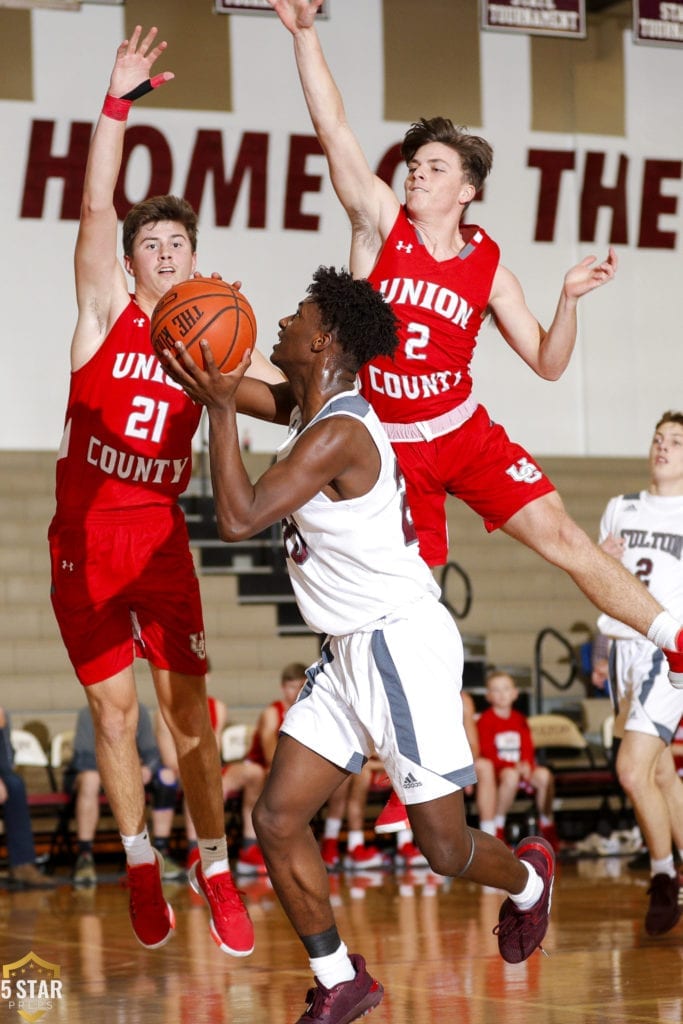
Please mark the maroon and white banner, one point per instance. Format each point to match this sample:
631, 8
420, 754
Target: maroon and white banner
535, 17
657, 24
257, 7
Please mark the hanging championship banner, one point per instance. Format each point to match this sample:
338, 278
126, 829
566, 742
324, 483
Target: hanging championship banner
257, 7
535, 17
657, 24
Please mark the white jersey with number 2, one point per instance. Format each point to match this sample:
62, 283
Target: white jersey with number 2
356, 561
651, 527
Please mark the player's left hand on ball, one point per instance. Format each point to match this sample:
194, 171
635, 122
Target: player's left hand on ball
207, 386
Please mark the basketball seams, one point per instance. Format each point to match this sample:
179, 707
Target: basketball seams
233, 304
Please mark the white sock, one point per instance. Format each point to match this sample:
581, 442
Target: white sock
334, 968
663, 630
332, 828
665, 866
499, 821
214, 856
544, 820
489, 827
138, 849
356, 838
531, 893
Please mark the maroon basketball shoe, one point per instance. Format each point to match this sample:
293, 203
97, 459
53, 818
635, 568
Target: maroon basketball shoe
345, 1002
520, 932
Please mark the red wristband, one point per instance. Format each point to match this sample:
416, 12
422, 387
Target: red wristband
116, 108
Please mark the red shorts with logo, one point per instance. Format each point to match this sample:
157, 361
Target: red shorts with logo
124, 585
477, 463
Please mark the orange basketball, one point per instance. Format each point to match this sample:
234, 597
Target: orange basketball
205, 307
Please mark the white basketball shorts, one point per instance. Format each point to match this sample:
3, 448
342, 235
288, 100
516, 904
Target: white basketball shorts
641, 673
394, 690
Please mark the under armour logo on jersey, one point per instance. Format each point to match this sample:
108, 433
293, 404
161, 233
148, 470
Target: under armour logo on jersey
524, 472
69, 566
410, 782
139, 321
406, 247
198, 644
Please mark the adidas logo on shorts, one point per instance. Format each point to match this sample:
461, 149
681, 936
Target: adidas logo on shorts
410, 782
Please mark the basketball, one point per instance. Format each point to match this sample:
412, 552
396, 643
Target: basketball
205, 307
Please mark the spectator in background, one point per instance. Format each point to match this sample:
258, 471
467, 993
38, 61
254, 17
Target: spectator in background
15, 813
505, 741
83, 778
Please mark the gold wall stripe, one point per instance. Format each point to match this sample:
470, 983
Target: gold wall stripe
578, 85
16, 56
198, 52
431, 60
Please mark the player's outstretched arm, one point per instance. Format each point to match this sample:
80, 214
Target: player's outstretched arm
547, 352
101, 290
369, 203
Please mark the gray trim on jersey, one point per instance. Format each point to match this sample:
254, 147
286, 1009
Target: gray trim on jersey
352, 403
657, 658
401, 715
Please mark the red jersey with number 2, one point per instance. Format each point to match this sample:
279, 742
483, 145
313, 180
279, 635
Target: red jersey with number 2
441, 306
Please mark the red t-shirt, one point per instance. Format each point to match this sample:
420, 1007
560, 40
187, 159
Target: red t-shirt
505, 741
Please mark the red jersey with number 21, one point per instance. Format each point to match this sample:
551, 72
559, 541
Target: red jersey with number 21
441, 306
128, 429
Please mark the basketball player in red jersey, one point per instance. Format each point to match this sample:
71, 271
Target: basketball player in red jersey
123, 580
442, 278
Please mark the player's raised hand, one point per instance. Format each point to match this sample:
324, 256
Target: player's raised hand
588, 274
134, 60
296, 14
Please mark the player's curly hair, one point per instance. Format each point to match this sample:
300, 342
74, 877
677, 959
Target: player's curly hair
154, 209
364, 324
476, 154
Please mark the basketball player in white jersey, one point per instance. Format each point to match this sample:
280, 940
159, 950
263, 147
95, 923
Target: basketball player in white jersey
645, 532
358, 578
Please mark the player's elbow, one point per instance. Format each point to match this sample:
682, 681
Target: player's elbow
230, 530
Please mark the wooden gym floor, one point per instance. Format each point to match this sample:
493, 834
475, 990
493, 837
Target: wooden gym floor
427, 939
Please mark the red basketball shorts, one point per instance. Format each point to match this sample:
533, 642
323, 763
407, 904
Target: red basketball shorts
124, 585
477, 463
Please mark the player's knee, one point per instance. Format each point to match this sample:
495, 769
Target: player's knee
270, 824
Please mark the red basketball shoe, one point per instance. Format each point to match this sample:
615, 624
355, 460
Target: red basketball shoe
393, 817
151, 916
231, 926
